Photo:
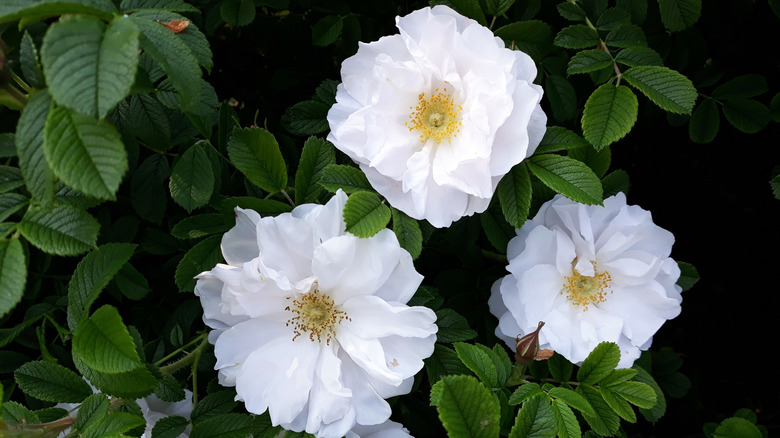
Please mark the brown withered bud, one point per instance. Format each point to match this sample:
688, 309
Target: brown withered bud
527, 348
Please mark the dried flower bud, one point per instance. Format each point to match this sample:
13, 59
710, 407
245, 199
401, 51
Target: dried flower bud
527, 347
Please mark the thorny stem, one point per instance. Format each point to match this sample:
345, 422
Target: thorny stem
169, 369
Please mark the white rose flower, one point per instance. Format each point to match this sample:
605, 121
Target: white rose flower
388, 429
311, 322
592, 274
436, 115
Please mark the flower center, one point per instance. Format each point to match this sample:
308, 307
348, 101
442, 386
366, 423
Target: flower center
435, 118
584, 290
315, 314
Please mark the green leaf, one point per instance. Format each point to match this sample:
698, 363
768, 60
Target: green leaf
572, 399
365, 214
667, 88
560, 368
60, 229
191, 36
637, 9
169, 389
626, 35
166, 5
571, 11
577, 36
11, 10
736, 427
148, 188
10, 178
741, 87
255, 152
678, 15
408, 232
174, 56
524, 392
688, 276
606, 422
51, 382
214, 404
231, 425
85, 153
659, 408
638, 56
618, 376
496, 228
266, 207
705, 122
567, 423
103, 343
599, 363
91, 410
532, 37
443, 362
306, 118
612, 18
610, 113
567, 176
29, 148
29, 61
326, 30
637, 393
562, 97
92, 275
201, 257
341, 176
747, 115
131, 283
534, 419
90, 68
315, 156
619, 405
192, 178
113, 424
479, 359
201, 225
514, 193
238, 12
169, 427
586, 61
13, 274
466, 408
10, 203
453, 327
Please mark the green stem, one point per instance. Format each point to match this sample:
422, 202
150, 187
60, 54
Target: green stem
203, 338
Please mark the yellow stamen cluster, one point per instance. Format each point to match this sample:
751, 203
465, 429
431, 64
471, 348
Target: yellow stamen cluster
584, 290
315, 314
435, 118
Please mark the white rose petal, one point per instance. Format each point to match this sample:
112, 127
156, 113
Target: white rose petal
437, 114
592, 274
311, 323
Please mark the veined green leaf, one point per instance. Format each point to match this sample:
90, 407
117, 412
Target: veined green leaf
306, 118
266, 207
148, 191
214, 404
136, 383
191, 35
201, 257
238, 12
478, 358
201, 225
13, 274
636, 56
30, 62
51, 382
497, 230
567, 424
741, 87
37, 175
91, 409
92, 275
577, 36
408, 232
10, 178
612, 18
572, 399
637, 393
610, 113
85, 153
626, 35
255, 152
347, 178
326, 30
606, 422
599, 363
667, 88
659, 408
466, 408
525, 392
60, 229
103, 343
114, 423
90, 68
737, 427
637, 9
747, 115
618, 404
365, 214
598, 161
443, 362
514, 193
166, 5
678, 15
192, 178
571, 11
562, 97
533, 37
170, 427
230, 425
453, 327
618, 376
11, 10
567, 176
315, 156
534, 419
10, 203
586, 61
174, 56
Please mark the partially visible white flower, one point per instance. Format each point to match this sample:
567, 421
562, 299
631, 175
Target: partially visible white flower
152, 408
311, 323
592, 274
436, 115
388, 429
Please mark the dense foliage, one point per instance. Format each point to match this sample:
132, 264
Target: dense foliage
130, 130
